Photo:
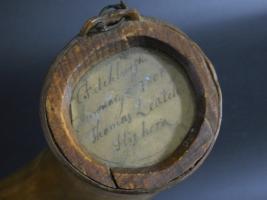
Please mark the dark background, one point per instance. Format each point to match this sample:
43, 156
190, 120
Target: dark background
233, 33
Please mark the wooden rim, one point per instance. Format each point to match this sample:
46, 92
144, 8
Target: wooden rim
84, 52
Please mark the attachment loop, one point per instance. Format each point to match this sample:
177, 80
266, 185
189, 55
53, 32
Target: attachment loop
109, 17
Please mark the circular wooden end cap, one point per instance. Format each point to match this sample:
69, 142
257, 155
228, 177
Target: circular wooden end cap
135, 108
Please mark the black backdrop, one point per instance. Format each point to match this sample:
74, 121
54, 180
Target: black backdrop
233, 33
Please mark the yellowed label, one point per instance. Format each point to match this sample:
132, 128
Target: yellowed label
133, 109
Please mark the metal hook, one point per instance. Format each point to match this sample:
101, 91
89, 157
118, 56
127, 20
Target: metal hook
117, 6
109, 17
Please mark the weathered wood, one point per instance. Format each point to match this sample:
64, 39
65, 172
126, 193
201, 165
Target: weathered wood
86, 175
47, 179
83, 53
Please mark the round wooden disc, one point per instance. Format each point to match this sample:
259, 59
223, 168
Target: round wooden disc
135, 108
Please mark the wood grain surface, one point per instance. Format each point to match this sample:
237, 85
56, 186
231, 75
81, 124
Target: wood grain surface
86, 51
74, 173
46, 178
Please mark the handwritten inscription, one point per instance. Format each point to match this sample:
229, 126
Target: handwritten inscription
132, 138
133, 109
97, 134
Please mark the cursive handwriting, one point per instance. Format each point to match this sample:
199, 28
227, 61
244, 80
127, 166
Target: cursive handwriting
96, 133
131, 138
86, 90
160, 100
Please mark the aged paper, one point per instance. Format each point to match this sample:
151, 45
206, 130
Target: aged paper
133, 109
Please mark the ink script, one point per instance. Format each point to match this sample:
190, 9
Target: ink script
133, 109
